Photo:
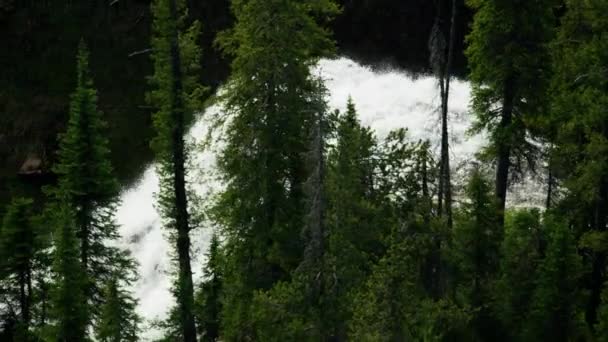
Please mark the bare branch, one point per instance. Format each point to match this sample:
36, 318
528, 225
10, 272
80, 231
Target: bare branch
140, 52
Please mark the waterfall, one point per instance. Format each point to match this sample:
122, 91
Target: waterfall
386, 99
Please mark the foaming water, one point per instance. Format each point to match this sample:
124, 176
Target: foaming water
385, 100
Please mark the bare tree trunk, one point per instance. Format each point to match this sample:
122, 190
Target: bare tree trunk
312, 267
443, 68
23, 300
550, 185
185, 288
445, 148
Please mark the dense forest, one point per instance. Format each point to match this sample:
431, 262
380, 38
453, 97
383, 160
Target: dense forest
321, 231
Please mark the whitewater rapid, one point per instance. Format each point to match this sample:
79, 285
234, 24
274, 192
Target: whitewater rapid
386, 99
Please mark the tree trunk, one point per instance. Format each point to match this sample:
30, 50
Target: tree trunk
315, 251
445, 148
23, 299
550, 186
504, 150
185, 288
28, 281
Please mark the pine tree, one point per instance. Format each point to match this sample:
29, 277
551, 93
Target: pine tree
555, 310
176, 94
269, 100
21, 244
579, 115
208, 297
118, 321
70, 314
508, 56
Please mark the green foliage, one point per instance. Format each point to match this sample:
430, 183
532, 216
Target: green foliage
118, 321
269, 99
601, 327
520, 256
282, 314
579, 100
555, 307
208, 297
87, 183
176, 94
70, 314
353, 238
83, 166
475, 251
22, 247
508, 57
161, 96
579, 118
388, 307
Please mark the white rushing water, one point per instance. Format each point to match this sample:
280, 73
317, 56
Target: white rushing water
385, 99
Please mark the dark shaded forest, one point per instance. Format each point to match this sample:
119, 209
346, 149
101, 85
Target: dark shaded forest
38, 38
319, 230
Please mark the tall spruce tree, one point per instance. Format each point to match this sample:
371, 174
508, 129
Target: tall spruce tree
70, 314
208, 297
86, 181
176, 95
579, 100
269, 100
353, 237
21, 244
508, 56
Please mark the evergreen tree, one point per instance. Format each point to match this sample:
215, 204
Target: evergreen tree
508, 56
70, 314
476, 245
176, 94
270, 100
398, 301
118, 321
579, 100
555, 308
21, 244
208, 298
520, 256
297, 309
353, 235
86, 181
387, 308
